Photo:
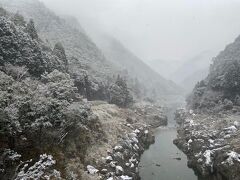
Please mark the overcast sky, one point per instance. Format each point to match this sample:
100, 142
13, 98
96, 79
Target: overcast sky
160, 29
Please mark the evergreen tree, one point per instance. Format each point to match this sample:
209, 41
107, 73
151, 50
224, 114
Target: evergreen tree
18, 19
137, 88
119, 93
31, 30
59, 51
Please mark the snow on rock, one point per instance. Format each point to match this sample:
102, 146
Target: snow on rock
118, 148
135, 147
230, 130
236, 124
39, 170
146, 132
132, 165
189, 142
133, 137
108, 159
129, 125
207, 154
211, 141
232, 156
119, 170
136, 131
125, 177
132, 160
13, 155
113, 164
92, 170
104, 171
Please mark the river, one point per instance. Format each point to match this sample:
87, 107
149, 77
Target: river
163, 160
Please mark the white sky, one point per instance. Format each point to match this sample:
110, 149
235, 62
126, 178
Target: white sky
160, 29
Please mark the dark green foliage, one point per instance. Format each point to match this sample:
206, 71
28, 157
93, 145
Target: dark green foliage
40, 108
30, 28
232, 79
120, 94
3, 12
137, 88
88, 86
221, 89
18, 49
18, 20
21, 48
59, 51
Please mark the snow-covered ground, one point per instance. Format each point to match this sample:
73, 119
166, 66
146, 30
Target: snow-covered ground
212, 144
126, 134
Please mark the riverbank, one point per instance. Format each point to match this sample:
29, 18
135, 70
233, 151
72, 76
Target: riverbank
127, 133
163, 160
211, 143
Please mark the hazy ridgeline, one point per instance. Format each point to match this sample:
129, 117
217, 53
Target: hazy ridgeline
82, 90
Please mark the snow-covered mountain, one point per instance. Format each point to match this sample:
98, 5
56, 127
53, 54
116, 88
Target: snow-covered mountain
165, 67
110, 59
119, 55
68, 31
199, 62
221, 87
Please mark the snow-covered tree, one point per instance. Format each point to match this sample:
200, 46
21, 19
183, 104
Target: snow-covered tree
31, 30
119, 93
59, 51
42, 169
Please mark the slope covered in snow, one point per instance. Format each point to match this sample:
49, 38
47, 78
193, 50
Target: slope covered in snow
220, 90
112, 59
52, 29
119, 55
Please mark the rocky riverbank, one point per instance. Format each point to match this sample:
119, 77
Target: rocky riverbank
127, 133
211, 142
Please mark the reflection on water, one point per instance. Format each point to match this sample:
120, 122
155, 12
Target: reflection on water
163, 160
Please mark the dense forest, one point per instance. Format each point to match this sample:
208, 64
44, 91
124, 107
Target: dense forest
80, 104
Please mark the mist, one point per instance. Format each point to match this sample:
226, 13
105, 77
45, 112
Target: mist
120, 89
167, 29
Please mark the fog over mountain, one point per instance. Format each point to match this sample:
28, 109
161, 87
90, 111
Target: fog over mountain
86, 86
167, 29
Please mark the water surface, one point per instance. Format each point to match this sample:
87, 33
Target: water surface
162, 160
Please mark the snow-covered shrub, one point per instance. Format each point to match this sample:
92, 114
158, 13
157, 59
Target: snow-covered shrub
8, 159
59, 51
116, 95
60, 86
20, 46
30, 29
17, 72
90, 87
120, 94
42, 169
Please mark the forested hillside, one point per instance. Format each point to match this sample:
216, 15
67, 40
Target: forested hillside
209, 134
82, 52
47, 123
41, 110
154, 83
220, 90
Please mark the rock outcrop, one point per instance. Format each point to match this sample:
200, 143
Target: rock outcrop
127, 135
211, 144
